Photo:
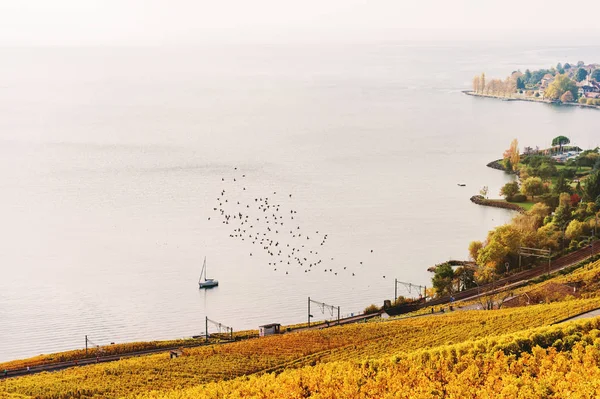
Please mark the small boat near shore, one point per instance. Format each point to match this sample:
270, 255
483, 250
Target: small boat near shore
461, 184
204, 282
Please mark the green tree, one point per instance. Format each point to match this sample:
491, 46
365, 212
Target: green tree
532, 186
567, 66
581, 74
591, 188
564, 212
464, 277
509, 190
560, 141
578, 189
527, 76
546, 170
520, 83
596, 75
559, 86
537, 76
561, 185
443, 279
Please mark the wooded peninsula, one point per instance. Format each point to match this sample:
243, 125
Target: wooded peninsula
563, 84
557, 194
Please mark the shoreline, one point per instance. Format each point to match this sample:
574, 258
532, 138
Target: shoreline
479, 200
498, 166
527, 99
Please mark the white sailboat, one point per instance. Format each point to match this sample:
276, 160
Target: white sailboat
204, 282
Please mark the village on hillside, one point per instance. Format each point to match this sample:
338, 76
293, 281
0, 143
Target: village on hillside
568, 83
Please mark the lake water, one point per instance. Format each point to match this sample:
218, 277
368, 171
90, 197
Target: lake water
112, 160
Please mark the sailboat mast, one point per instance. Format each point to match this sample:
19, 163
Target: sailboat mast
203, 272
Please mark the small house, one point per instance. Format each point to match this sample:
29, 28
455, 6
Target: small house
269, 329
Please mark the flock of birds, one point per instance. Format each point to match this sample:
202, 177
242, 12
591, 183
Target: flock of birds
265, 222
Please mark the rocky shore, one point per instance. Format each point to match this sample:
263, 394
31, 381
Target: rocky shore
480, 200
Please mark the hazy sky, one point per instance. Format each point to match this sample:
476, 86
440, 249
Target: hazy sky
194, 21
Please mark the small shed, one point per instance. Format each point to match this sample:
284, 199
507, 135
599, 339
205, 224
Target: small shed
268, 329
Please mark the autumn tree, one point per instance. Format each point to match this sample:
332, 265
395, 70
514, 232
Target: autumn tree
490, 256
529, 222
575, 229
532, 186
502, 242
474, 248
548, 236
567, 97
482, 82
489, 87
512, 157
476, 84
510, 86
539, 212
559, 86
526, 223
